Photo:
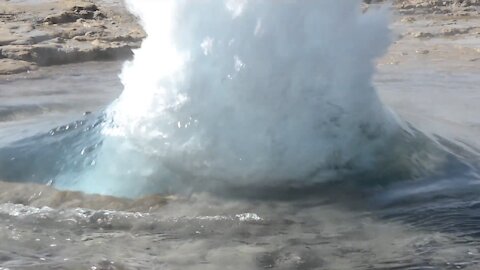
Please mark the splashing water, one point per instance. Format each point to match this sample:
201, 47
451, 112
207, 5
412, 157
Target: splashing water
238, 93
245, 92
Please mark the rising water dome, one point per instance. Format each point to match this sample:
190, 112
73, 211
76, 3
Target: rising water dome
243, 93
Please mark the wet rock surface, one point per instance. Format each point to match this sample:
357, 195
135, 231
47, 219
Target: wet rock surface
433, 33
44, 196
449, 7
11, 66
43, 33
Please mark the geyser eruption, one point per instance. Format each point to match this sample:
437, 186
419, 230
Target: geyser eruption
238, 94
245, 92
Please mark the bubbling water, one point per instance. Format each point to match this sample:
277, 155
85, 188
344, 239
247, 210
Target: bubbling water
242, 93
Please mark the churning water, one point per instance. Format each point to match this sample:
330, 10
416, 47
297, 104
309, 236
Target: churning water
270, 101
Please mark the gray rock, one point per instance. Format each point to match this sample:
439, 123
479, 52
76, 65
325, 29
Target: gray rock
10, 66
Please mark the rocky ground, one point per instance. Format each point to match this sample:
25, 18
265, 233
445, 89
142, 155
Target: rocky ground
52, 32
435, 31
433, 7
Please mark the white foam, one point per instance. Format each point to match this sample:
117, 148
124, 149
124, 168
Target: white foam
244, 92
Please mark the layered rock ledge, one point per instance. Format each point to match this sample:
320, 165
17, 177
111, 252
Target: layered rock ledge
53, 32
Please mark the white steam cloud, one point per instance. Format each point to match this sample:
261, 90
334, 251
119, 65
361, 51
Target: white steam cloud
245, 92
